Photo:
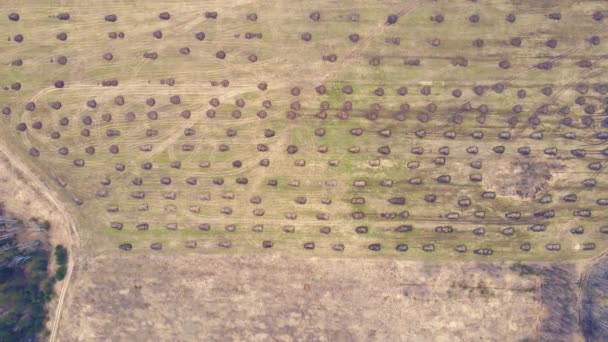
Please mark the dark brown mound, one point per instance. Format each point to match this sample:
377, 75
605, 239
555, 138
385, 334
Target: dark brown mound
392, 19
17, 62
37, 125
78, 162
438, 18
164, 16
426, 90
262, 148
306, 36
240, 103
236, 114
16, 86
63, 16
63, 151
435, 42
151, 102
552, 43
151, 55
515, 42
582, 88
62, 36
510, 18
130, 116
295, 91
262, 86
375, 61
107, 117
6, 111
354, 37
184, 51
224, 83
521, 93
517, 109
34, 152
62, 60
292, 149
211, 15
315, 16
108, 56
87, 120
498, 88
544, 65
267, 104
504, 64
210, 113
59, 84
598, 16
89, 150
113, 149
152, 115
460, 61
584, 63
321, 90
479, 43
555, 16
112, 35
252, 58
91, 103
379, 92
412, 62
457, 93
252, 17
474, 18
595, 40
347, 89
13, 16
64, 121
119, 100
111, 18
200, 36
175, 99
220, 54
30, 106
21, 127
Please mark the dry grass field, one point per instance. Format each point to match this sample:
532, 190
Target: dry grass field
286, 298
312, 132
468, 115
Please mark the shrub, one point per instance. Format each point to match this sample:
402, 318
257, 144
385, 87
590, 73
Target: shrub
44, 225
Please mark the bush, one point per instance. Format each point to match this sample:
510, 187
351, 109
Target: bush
61, 272
61, 255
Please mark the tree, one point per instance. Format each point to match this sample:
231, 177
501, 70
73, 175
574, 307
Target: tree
61, 255
61, 272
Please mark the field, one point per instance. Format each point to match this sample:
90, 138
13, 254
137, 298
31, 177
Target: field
274, 162
205, 114
171, 133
